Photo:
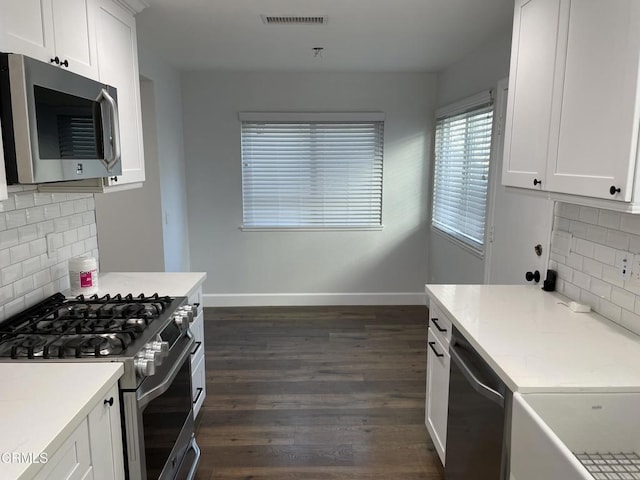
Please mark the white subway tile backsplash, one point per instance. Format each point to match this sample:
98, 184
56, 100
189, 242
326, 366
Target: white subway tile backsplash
597, 234
575, 261
581, 280
19, 253
27, 233
619, 240
630, 223
589, 215
605, 254
24, 200
16, 218
570, 211
609, 219
600, 288
631, 321
584, 247
578, 229
35, 215
11, 274
623, 298
610, 310
42, 198
592, 273
592, 267
23, 286
27, 219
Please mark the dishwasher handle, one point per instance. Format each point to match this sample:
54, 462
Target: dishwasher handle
473, 380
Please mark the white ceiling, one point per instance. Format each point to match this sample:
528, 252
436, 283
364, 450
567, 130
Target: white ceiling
360, 35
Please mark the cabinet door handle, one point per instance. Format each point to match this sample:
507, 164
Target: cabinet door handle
64, 64
613, 190
200, 390
109, 401
432, 346
438, 327
198, 344
537, 182
55, 60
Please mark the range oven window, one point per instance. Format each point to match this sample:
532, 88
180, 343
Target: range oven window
163, 420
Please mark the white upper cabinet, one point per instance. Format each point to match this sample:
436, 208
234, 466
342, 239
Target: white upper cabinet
97, 39
530, 92
118, 66
572, 119
54, 31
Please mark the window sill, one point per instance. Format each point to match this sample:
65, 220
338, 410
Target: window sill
311, 229
450, 238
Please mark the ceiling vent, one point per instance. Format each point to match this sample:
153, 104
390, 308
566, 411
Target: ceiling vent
293, 20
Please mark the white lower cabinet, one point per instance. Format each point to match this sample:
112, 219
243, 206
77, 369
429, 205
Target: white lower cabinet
438, 359
94, 450
198, 374
436, 410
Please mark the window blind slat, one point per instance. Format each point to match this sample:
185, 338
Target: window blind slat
312, 173
462, 153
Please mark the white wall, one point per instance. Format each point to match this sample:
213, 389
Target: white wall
307, 267
145, 229
481, 70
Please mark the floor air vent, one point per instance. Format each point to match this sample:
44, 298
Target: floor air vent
293, 20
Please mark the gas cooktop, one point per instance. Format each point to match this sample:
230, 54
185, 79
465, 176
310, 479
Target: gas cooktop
82, 327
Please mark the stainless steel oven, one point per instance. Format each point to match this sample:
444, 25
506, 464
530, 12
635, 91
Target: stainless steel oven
158, 415
150, 336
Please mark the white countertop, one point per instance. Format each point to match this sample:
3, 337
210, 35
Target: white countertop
174, 284
41, 404
536, 344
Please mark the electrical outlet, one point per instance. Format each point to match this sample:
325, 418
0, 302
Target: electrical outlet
635, 271
626, 267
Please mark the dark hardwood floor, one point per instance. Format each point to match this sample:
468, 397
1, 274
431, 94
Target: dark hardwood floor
322, 393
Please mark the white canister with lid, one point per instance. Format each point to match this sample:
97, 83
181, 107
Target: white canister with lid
83, 275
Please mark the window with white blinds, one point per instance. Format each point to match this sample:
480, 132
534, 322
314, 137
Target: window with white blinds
461, 176
312, 170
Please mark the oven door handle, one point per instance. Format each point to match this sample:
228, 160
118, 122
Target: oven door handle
194, 466
162, 387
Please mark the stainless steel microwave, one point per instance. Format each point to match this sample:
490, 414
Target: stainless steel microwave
56, 125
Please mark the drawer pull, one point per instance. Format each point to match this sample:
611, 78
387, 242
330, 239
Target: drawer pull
200, 390
109, 401
438, 327
198, 345
432, 346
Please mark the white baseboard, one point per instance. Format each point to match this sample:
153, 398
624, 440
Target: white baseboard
311, 299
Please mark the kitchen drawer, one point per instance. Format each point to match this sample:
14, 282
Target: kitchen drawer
440, 324
198, 384
72, 461
197, 330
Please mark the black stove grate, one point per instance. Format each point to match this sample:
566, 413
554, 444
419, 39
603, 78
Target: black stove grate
80, 327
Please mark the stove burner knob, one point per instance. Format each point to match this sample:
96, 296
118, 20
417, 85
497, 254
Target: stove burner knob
144, 367
150, 354
159, 346
186, 311
181, 320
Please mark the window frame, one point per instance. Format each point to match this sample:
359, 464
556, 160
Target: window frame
311, 118
467, 105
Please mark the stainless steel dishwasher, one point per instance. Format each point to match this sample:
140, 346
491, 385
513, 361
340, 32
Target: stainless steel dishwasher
478, 422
